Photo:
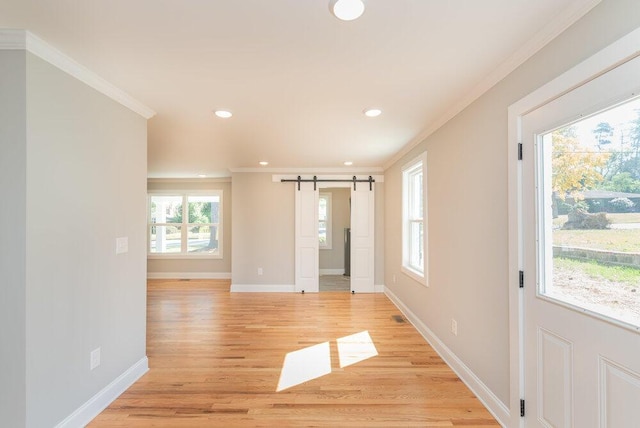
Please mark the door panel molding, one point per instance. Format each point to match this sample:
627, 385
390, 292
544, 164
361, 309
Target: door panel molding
555, 379
362, 239
306, 239
619, 391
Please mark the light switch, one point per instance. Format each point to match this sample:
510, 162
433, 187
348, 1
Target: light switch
122, 245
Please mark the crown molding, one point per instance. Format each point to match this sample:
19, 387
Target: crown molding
291, 170
554, 28
13, 39
190, 180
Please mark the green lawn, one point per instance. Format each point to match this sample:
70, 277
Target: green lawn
623, 240
624, 218
615, 218
620, 274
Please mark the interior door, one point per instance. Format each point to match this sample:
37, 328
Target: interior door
581, 351
362, 239
306, 238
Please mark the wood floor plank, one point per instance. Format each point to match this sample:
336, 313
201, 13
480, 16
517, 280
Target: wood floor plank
216, 360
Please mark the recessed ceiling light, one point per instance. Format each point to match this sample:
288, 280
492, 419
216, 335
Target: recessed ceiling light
346, 10
372, 112
224, 114
264, 163
202, 175
348, 163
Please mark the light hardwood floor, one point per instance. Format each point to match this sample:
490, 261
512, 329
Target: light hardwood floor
216, 359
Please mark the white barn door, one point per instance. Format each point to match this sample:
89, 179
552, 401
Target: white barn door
362, 242
306, 237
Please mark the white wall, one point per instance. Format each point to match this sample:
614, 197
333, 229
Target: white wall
263, 231
13, 183
84, 186
467, 197
192, 268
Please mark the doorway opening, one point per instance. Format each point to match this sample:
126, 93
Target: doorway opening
334, 234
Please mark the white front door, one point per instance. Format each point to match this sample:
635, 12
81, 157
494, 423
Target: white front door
306, 238
362, 242
581, 321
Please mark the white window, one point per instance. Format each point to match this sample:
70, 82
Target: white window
414, 216
324, 220
185, 224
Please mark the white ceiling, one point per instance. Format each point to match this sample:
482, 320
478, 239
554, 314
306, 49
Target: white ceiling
295, 77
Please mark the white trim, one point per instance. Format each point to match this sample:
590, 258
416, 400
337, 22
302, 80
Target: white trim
12, 39
294, 170
96, 404
185, 194
495, 406
560, 23
189, 180
419, 163
179, 256
617, 53
188, 275
277, 177
331, 271
262, 288
21, 39
182, 192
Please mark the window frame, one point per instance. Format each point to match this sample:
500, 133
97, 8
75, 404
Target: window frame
328, 245
409, 170
185, 225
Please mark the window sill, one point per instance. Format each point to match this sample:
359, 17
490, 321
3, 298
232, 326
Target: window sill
415, 275
184, 256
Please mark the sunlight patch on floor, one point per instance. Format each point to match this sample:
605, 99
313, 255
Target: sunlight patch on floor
304, 365
355, 348
314, 361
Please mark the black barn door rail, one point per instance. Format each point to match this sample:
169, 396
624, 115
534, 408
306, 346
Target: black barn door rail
315, 181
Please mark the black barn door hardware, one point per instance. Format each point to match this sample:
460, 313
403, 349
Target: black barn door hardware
316, 180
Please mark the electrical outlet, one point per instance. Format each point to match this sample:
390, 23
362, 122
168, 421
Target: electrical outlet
94, 359
454, 327
259, 271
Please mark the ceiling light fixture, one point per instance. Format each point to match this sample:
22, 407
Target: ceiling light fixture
348, 163
372, 112
224, 114
202, 175
346, 10
264, 163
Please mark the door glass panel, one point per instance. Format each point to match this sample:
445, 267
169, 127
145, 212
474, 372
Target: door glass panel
589, 213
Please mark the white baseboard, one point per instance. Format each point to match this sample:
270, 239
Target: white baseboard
497, 408
188, 275
262, 288
96, 404
331, 271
